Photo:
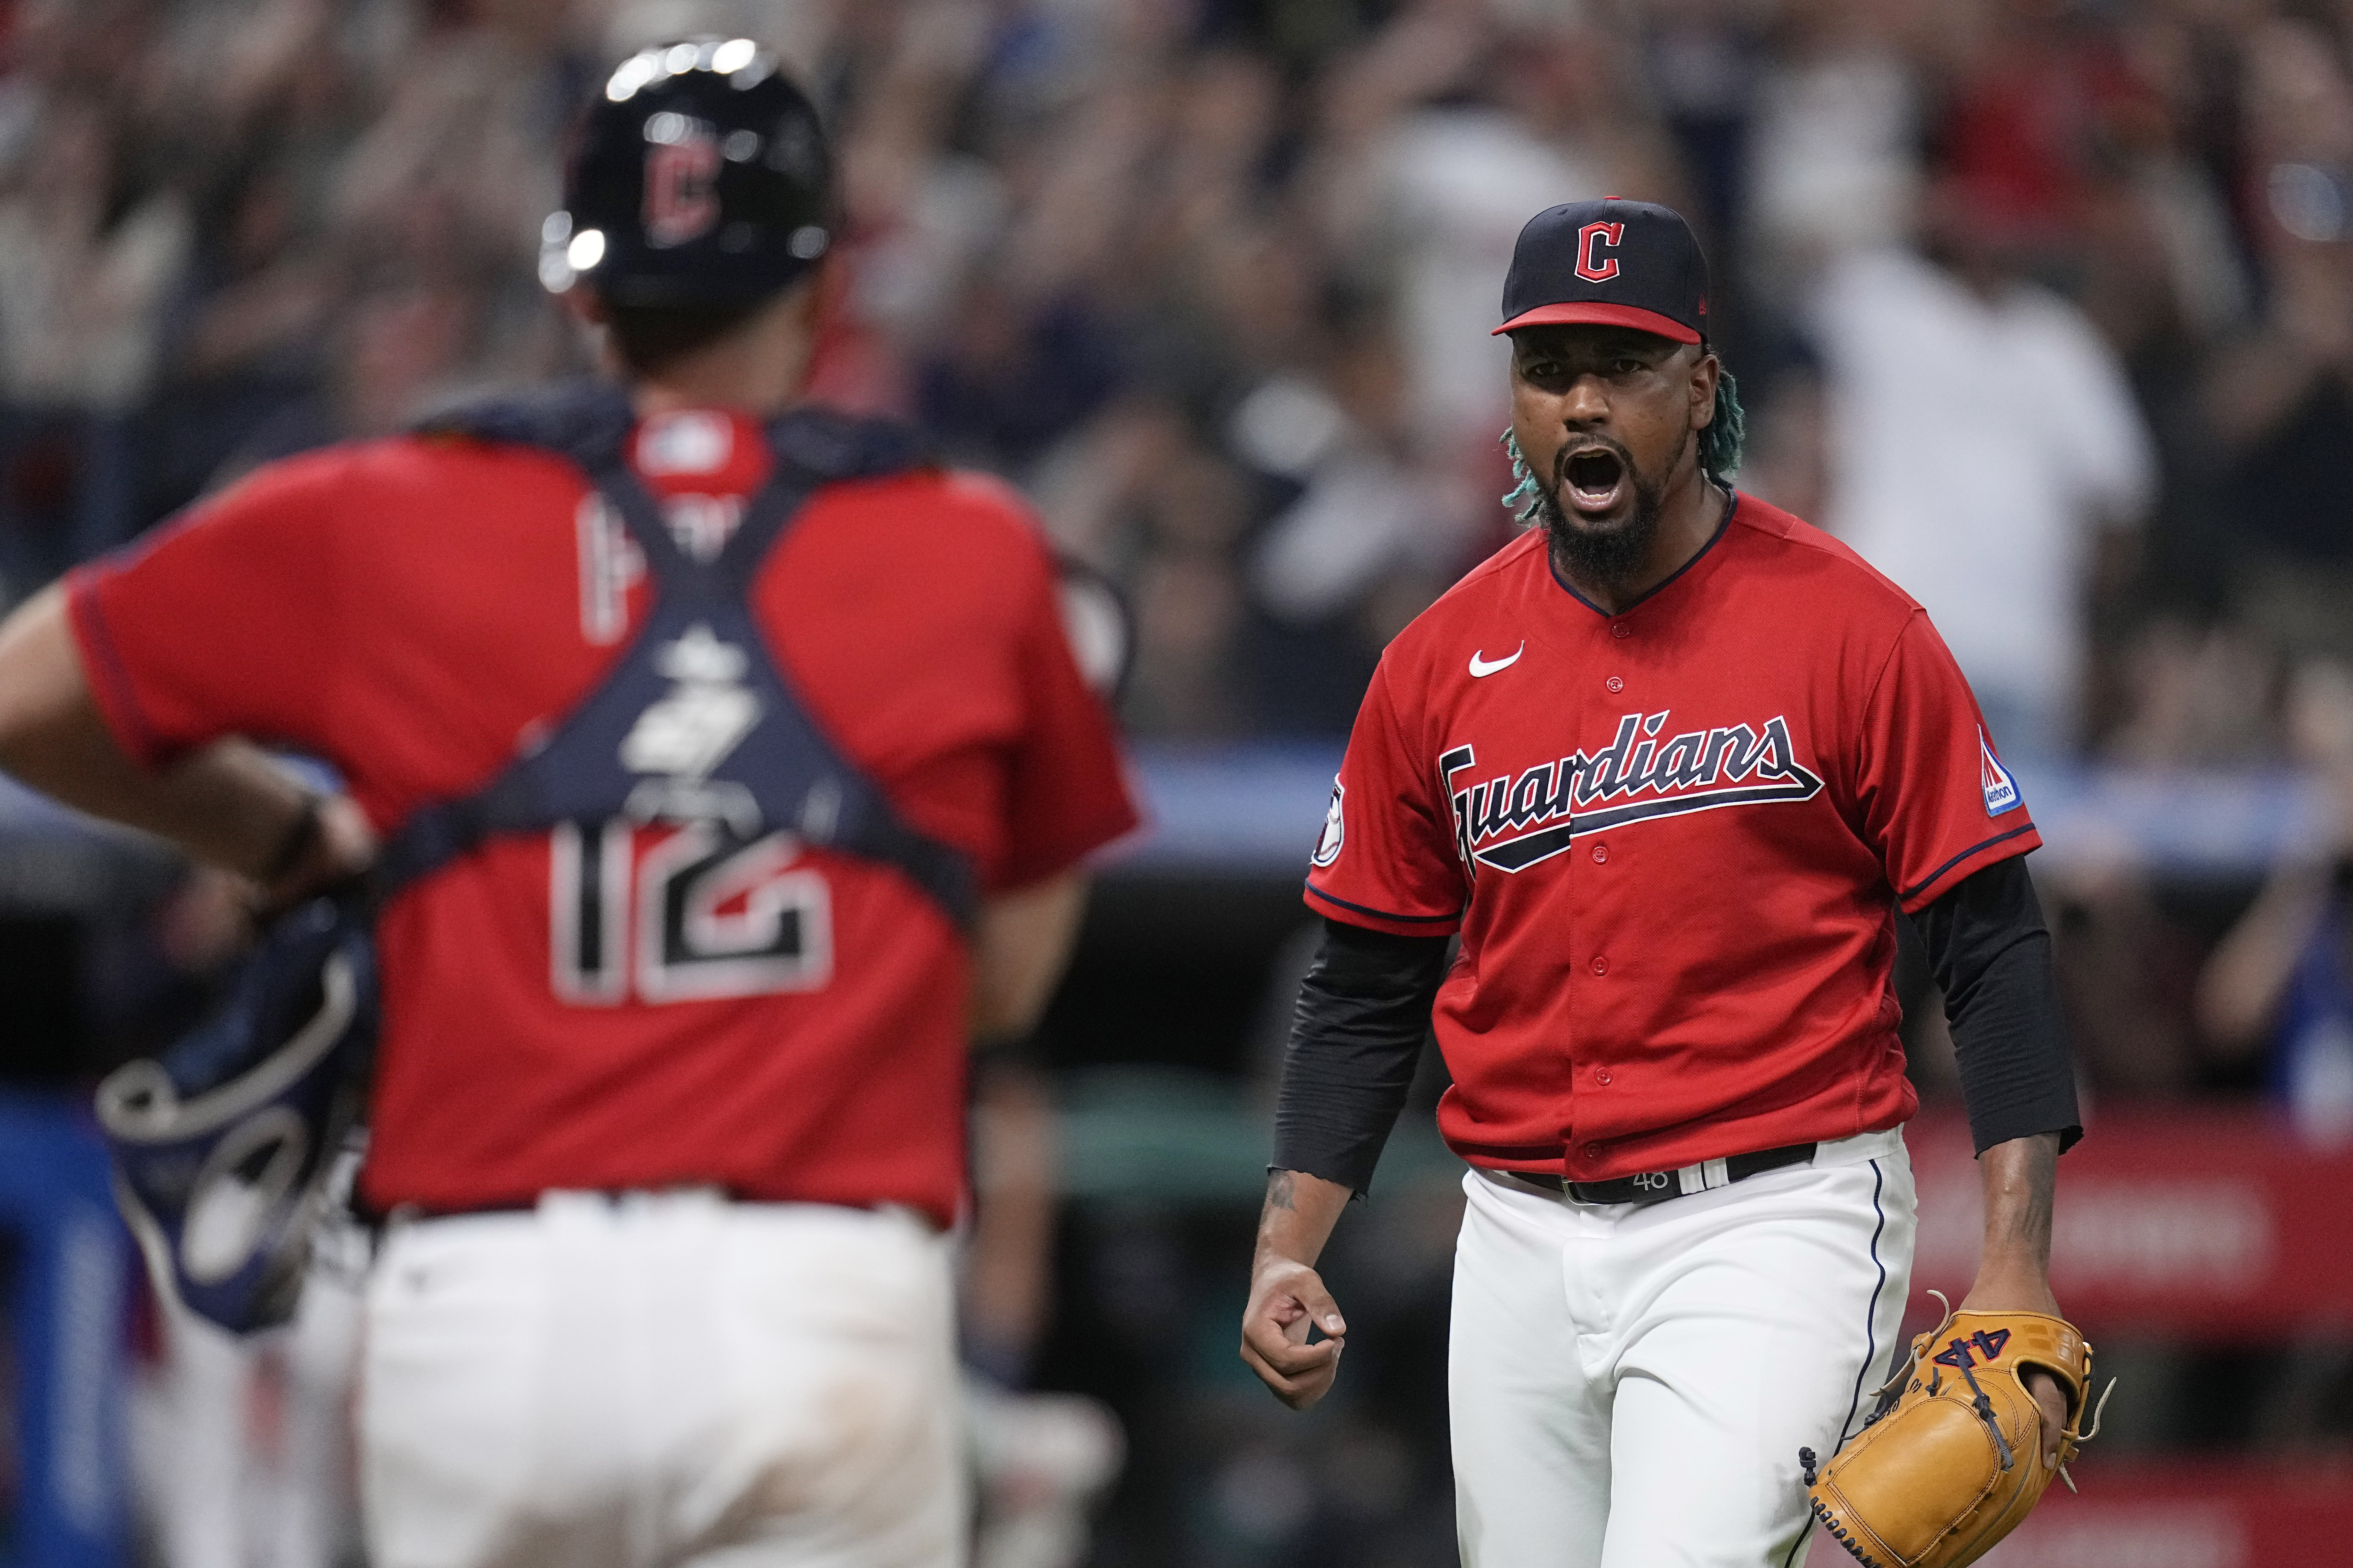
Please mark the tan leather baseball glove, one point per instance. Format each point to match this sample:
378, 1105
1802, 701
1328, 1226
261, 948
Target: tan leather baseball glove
1951, 1459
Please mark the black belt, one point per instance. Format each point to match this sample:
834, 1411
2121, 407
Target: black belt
1658, 1186
377, 1222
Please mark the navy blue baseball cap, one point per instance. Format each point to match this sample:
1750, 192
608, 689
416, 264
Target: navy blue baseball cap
1613, 263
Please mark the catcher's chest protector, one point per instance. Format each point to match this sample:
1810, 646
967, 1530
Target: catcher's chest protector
695, 723
1952, 1458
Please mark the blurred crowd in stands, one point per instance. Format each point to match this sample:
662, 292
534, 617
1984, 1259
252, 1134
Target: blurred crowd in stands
2046, 305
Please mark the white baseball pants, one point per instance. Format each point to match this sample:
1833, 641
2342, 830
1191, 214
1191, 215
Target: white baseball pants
662, 1379
1629, 1384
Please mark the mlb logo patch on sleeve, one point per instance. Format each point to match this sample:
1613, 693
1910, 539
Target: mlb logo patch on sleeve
2000, 789
1327, 848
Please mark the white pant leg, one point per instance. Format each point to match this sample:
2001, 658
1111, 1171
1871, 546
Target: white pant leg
313, 1523
1530, 1428
840, 1443
205, 1452
454, 1370
1760, 1320
1670, 1359
660, 1380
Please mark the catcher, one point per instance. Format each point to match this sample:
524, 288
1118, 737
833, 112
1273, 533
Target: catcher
732, 770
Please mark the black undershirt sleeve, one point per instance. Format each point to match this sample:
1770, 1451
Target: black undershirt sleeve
1356, 1039
1991, 951
1363, 1012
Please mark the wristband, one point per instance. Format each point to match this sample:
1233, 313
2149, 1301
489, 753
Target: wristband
296, 846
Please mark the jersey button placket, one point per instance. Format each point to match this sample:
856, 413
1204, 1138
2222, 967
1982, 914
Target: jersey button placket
1600, 964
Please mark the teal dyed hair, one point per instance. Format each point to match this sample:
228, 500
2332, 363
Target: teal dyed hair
1720, 443
1719, 450
1525, 492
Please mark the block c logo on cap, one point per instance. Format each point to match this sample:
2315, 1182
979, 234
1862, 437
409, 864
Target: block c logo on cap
1590, 240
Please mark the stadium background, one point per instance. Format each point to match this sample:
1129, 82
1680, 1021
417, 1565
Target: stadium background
1210, 279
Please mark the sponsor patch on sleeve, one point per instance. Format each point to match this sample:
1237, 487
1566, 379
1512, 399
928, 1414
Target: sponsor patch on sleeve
1327, 848
2000, 789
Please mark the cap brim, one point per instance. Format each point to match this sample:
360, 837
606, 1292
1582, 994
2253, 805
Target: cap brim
1596, 314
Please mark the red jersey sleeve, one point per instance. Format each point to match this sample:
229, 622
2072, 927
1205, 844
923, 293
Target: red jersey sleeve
1068, 792
1936, 801
223, 623
1387, 859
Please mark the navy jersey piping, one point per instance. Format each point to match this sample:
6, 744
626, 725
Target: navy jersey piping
108, 667
1722, 526
1871, 1314
1381, 914
1931, 878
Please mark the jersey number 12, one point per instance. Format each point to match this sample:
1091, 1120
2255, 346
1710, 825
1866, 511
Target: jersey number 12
708, 915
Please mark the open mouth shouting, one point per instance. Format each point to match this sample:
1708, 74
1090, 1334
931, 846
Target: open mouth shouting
1594, 480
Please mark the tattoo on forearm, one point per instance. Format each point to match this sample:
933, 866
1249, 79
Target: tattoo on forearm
1277, 1191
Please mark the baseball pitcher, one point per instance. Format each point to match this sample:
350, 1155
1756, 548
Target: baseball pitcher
1669, 765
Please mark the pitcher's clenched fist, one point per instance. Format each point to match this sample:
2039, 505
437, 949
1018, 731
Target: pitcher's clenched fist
1288, 1300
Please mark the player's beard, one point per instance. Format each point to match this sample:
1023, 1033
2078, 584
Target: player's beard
1609, 555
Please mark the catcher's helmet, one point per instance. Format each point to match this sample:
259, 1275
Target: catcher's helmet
698, 176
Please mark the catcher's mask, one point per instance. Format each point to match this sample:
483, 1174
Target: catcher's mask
698, 176
223, 1146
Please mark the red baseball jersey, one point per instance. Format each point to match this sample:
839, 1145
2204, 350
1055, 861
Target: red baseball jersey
416, 611
1673, 840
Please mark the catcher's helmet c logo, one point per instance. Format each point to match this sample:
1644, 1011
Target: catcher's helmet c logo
682, 200
1591, 240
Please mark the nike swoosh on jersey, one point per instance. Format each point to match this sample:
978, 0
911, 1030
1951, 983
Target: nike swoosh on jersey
1480, 667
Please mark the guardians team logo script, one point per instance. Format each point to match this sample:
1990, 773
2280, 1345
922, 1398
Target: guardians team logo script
1513, 822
